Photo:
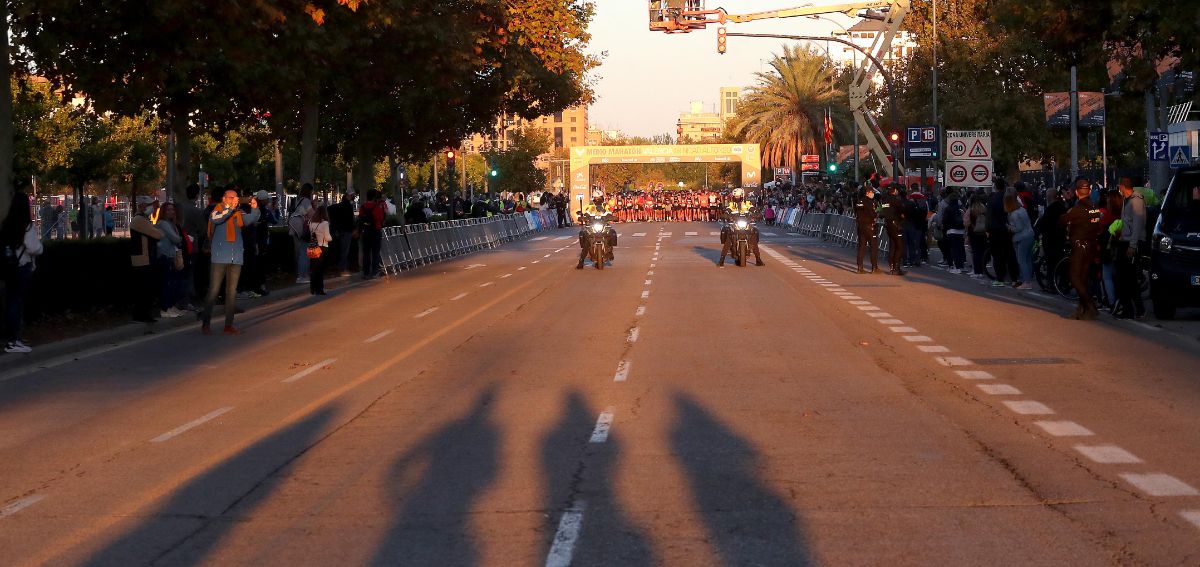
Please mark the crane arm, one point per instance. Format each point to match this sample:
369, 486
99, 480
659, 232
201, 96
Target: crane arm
847, 8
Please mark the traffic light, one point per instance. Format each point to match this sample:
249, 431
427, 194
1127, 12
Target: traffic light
833, 167
721, 40
894, 138
449, 158
495, 173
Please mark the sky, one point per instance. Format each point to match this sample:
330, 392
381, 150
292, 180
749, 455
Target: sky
647, 78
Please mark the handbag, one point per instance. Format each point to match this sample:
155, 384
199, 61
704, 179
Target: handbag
314, 251
179, 260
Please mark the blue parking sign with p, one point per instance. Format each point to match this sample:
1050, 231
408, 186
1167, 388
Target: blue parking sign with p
1159, 148
921, 143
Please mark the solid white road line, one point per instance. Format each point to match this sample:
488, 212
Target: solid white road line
633, 335
999, 389
641, 310
424, 313
603, 425
309, 370
1029, 407
1064, 428
189, 425
1159, 484
563, 548
622, 371
379, 336
20, 504
1108, 454
974, 374
458, 297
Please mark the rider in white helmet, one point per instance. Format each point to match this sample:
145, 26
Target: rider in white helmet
738, 206
594, 210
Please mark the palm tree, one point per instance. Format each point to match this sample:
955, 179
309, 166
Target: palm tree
785, 112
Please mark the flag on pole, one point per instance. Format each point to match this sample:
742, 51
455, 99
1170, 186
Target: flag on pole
828, 128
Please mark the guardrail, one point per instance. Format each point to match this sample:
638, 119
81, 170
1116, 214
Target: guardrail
412, 246
831, 227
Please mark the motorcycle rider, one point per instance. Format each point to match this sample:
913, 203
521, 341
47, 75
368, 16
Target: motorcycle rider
598, 210
737, 206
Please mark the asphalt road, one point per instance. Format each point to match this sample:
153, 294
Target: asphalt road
507, 409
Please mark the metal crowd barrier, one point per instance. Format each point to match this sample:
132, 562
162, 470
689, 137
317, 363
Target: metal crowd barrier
411, 246
831, 227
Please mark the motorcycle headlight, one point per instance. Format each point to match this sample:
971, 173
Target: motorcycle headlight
597, 227
742, 225
1164, 244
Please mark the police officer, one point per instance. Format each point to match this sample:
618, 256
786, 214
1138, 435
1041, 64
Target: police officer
893, 215
597, 209
1084, 227
738, 205
865, 215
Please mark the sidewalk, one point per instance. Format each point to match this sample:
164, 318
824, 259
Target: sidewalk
52, 354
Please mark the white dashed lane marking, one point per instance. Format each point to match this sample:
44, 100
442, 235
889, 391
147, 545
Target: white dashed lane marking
378, 336
633, 335
1159, 484
458, 297
1108, 454
486, 284
902, 329
191, 425
952, 360
999, 389
1192, 516
563, 549
1064, 428
603, 425
20, 504
1028, 407
622, 371
303, 373
645, 295
932, 348
974, 374
425, 313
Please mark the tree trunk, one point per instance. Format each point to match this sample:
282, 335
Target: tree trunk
364, 170
308, 141
6, 123
183, 156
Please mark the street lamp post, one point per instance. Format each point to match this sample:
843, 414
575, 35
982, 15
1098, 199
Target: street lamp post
887, 76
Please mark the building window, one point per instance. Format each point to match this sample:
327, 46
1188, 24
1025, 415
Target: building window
558, 138
573, 118
574, 139
573, 128
545, 120
558, 117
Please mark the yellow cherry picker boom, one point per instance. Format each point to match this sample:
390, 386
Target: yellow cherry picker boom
684, 16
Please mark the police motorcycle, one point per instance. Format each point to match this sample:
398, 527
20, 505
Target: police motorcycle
597, 229
740, 228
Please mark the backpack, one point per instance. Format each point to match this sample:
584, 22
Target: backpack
952, 217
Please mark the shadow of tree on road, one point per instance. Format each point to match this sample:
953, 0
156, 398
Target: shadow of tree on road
201, 513
456, 464
747, 522
578, 471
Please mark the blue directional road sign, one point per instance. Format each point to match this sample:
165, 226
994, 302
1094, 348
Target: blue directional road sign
922, 143
1158, 147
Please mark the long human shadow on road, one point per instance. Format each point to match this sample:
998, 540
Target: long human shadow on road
201, 513
456, 464
748, 523
578, 471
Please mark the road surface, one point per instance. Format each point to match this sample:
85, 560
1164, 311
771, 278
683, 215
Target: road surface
506, 409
